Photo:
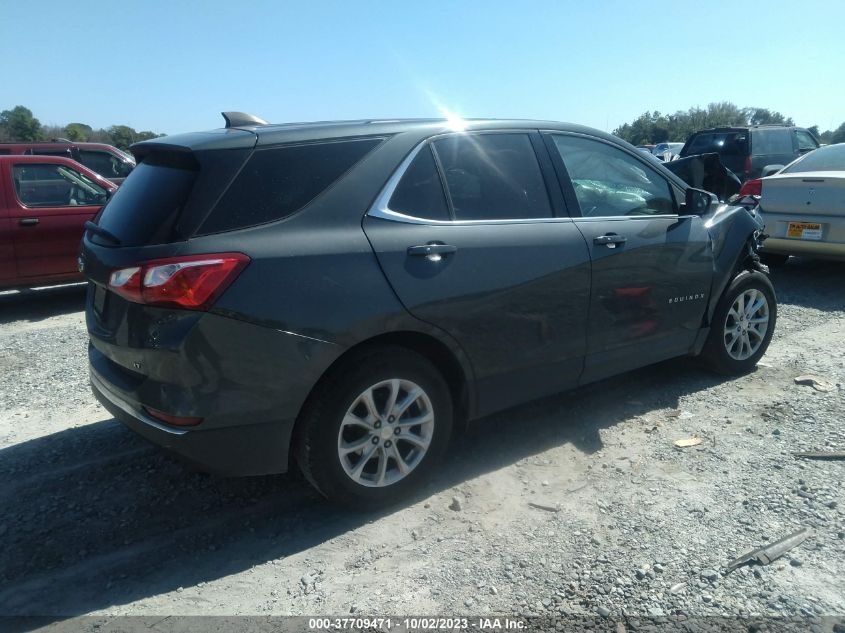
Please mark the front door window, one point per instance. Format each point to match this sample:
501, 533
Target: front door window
608, 182
54, 185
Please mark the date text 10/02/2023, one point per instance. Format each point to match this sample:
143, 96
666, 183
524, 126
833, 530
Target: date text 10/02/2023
416, 624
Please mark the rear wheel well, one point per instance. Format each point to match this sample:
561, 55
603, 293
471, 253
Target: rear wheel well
423, 344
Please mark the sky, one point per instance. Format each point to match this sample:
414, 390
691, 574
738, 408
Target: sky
173, 66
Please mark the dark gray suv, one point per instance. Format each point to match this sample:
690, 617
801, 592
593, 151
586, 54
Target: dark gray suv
747, 151
342, 294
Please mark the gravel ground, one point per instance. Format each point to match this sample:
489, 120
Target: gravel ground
95, 521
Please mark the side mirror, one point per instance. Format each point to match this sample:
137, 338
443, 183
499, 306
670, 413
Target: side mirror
768, 170
697, 202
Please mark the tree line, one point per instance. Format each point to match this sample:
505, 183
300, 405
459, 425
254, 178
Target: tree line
19, 125
654, 127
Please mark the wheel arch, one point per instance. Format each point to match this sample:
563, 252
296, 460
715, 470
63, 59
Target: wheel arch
452, 364
734, 234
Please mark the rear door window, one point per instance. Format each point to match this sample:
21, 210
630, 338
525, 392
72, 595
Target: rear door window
420, 191
276, 182
776, 141
493, 177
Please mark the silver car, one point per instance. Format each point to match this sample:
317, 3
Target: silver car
803, 206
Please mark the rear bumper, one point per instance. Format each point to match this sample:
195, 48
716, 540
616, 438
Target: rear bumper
830, 246
246, 382
245, 449
807, 248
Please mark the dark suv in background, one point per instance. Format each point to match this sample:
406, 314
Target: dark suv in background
341, 293
747, 150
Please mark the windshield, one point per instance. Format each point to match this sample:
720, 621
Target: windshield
830, 158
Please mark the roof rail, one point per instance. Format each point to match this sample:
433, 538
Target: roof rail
240, 119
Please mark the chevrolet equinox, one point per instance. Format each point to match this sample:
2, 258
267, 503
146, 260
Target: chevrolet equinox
340, 295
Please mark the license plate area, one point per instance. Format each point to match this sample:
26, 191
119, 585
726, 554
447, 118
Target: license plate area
804, 230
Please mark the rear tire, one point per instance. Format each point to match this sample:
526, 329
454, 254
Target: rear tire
774, 260
374, 429
742, 325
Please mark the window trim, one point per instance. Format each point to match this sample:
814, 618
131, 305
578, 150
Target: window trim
568, 188
381, 208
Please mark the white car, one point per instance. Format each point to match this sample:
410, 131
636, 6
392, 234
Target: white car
803, 206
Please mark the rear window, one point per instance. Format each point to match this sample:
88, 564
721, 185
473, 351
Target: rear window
731, 143
148, 203
771, 142
279, 181
831, 158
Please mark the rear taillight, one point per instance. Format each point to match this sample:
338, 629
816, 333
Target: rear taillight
752, 188
192, 282
747, 165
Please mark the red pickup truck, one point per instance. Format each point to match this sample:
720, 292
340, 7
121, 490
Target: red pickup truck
44, 204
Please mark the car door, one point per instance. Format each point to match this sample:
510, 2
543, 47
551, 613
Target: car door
50, 204
468, 237
651, 268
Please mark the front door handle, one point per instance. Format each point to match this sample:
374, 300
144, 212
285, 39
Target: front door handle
610, 240
29, 221
432, 251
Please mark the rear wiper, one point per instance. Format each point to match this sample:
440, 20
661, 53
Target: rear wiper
98, 230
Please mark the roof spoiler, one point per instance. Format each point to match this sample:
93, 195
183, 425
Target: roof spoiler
241, 119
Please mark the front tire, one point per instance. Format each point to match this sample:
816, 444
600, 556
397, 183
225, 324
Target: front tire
742, 325
373, 431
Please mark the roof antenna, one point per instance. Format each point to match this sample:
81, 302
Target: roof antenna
242, 119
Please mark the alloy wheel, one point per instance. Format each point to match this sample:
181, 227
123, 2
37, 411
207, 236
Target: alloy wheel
746, 324
385, 433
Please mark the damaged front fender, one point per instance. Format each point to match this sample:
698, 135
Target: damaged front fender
736, 232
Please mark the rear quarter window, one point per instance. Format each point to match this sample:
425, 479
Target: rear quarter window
777, 141
277, 182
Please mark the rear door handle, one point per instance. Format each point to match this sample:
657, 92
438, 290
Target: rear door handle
610, 240
29, 221
426, 250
